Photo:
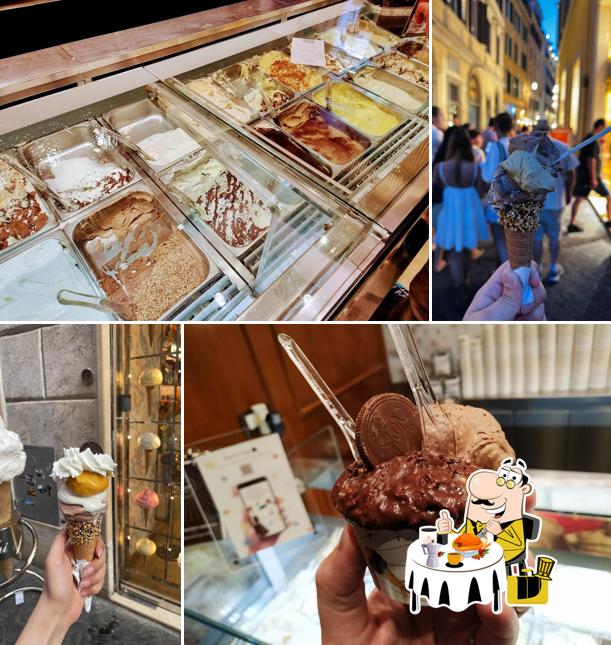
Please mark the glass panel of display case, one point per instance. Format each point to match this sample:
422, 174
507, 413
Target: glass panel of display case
246, 597
356, 124
148, 484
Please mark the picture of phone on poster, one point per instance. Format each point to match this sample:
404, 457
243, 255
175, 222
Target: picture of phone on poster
253, 488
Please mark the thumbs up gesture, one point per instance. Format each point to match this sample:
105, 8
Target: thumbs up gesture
445, 523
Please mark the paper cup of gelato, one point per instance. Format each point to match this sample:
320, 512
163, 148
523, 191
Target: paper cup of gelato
387, 505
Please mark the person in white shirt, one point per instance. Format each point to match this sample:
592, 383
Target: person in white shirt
554, 207
497, 152
439, 123
477, 143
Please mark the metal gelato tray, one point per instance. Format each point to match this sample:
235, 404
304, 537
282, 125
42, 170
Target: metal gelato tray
47, 154
190, 202
376, 101
244, 79
139, 121
183, 82
37, 272
46, 207
370, 30
291, 149
332, 121
406, 45
416, 92
380, 61
285, 50
110, 257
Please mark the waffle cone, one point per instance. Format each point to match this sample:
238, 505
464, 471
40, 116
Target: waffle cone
149, 456
6, 502
83, 537
6, 567
519, 247
146, 516
85, 551
149, 398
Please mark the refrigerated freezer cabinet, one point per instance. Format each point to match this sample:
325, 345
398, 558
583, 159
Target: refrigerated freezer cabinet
303, 291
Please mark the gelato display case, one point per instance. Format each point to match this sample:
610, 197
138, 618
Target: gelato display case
148, 529
224, 183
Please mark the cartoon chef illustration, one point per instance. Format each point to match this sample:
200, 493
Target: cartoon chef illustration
496, 505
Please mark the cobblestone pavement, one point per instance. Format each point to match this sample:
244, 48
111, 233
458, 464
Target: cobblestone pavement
584, 291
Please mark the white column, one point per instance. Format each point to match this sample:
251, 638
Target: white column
504, 362
477, 359
582, 353
547, 368
564, 356
490, 365
516, 349
531, 358
601, 355
466, 366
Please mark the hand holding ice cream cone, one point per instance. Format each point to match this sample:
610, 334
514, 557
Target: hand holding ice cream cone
83, 478
518, 191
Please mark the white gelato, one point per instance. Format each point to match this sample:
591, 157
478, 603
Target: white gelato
213, 93
74, 462
91, 505
12, 455
167, 147
149, 441
83, 181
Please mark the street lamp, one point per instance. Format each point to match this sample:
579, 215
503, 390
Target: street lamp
535, 86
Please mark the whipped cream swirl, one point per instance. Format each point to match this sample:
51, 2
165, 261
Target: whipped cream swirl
12, 455
74, 462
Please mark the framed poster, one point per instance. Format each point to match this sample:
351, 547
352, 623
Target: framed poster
253, 488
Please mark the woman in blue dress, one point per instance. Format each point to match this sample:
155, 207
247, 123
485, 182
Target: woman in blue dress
461, 224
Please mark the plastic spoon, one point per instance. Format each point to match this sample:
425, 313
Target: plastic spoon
432, 417
38, 183
322, 390
583, 144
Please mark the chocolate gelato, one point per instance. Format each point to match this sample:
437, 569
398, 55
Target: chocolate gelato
322, 132
405, 492
284, 141
21, 211
143, 263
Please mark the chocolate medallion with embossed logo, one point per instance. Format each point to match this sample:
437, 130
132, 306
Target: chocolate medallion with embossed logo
388, 425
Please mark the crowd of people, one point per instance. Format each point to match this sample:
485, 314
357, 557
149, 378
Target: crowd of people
464, 162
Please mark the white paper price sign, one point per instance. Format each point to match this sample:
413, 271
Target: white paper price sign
308, 51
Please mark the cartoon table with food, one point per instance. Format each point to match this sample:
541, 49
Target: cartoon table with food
468, 570
487, 555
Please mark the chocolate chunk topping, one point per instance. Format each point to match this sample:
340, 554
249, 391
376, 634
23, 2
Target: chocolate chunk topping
95, 448
387, 426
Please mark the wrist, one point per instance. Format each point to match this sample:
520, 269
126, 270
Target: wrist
55, 616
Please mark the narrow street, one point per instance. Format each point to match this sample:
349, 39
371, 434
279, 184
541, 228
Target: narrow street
584, 291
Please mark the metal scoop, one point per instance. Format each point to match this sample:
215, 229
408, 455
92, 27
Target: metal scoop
107, 139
